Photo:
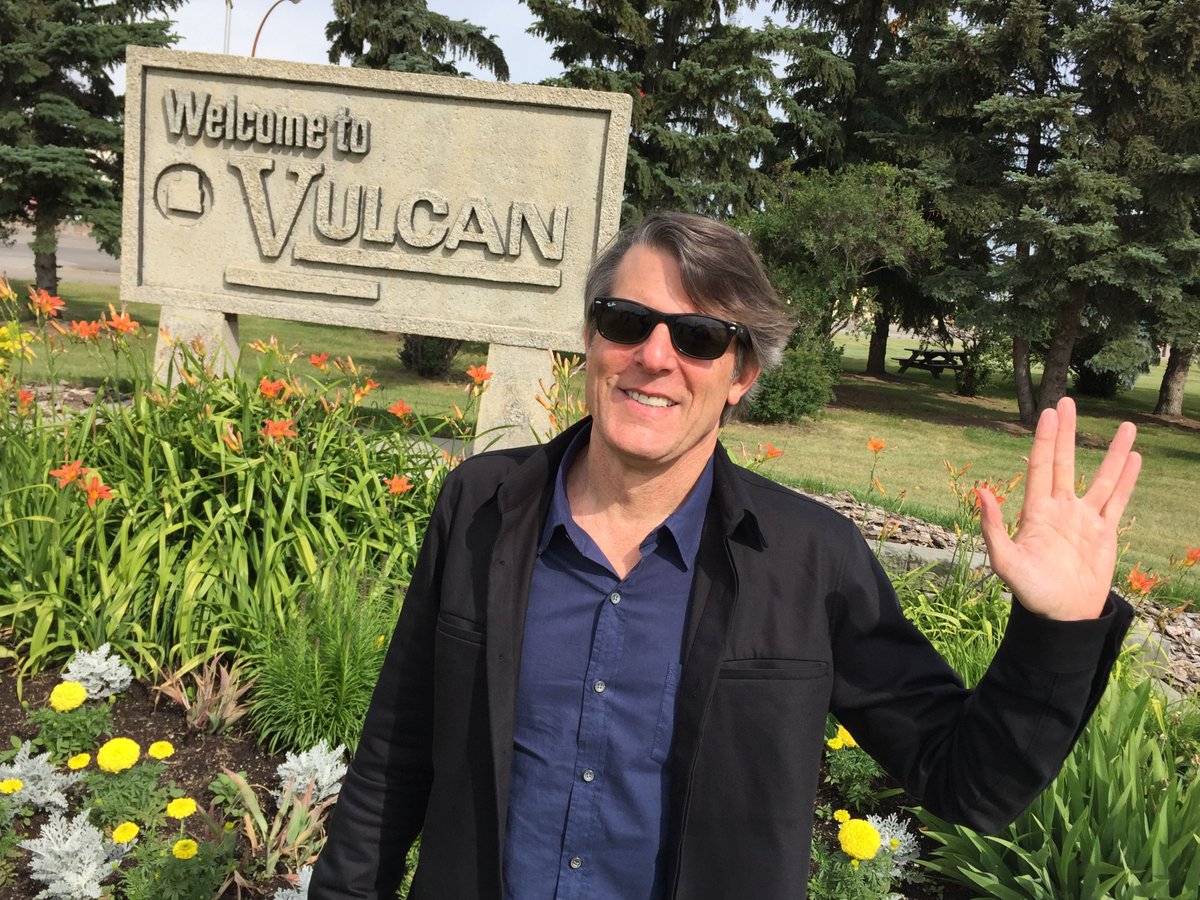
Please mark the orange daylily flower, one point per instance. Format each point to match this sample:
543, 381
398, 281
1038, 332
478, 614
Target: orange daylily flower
1192, 557
70, 472
319, 360
400, 409
86, 331
24, 400
121, 323
771, 452
361, 391
1143, 582
270, 389
875, 445
278, 429
97, 490
479, 374
231, 438
398, 484
44, 303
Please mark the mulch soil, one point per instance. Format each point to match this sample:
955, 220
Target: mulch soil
142, 714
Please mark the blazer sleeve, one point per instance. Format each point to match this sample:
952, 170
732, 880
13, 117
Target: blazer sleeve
975, 757
381, 806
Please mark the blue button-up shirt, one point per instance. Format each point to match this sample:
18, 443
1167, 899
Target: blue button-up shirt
600, 664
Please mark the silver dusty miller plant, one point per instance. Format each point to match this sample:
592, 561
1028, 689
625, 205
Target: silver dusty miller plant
101, 673
69, 856
42, 785
300, 892
321, 767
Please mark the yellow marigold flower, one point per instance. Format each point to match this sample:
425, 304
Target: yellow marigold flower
859, 839
67, 695
834, 743
845, 738
840, 815
125, 832
160, 750
118, 754
894, 844
181, 807
11, 785
185, 848
79, 761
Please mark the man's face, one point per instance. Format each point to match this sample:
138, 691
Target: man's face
652, 406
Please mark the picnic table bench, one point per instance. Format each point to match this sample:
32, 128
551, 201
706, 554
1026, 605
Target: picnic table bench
933, 359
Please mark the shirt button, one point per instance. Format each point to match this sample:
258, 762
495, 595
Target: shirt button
614, 597
576, 863
589, 776
599, 687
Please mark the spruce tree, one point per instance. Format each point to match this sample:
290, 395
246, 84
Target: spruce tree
406, 36
701, 84
61, 131
837, 101
1033, 177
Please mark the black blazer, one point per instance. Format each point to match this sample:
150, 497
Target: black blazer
790, 617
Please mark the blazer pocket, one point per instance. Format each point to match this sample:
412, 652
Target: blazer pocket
774, 669
460, 628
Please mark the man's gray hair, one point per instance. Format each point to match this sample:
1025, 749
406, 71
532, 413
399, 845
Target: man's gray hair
721, 274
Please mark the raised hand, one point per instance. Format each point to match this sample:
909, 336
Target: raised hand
1060, 563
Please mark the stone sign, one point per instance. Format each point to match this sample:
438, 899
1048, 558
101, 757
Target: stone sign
377, 200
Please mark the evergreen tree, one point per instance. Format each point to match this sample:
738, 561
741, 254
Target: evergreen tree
1035, 169
405, 36
837, 100
702, 88
61, 130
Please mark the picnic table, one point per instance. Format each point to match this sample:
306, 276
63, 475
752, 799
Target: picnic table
933, 359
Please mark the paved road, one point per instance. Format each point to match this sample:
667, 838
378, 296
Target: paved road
79, 259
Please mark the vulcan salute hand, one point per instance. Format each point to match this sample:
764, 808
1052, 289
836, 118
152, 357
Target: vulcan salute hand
1060, 564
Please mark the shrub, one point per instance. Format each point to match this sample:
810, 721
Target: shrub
316, 672
801, 385
429, 357
179, 524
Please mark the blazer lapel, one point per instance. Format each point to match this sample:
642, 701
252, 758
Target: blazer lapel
523, 500
730, 532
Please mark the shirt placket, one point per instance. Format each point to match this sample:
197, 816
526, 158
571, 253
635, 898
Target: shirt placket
601, 682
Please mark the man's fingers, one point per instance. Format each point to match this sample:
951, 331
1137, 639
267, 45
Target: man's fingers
991, 524
1041, 458
1064, 449
1105, 480
1114, 509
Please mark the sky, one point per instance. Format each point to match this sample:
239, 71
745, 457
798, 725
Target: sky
296, 31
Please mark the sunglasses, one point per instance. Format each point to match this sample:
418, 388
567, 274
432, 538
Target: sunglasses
694, 335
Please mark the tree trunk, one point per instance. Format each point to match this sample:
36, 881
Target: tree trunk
1062, 342
1023, 378
877, 352
1170, 392
45, 253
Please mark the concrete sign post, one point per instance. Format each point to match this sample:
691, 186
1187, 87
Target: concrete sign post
377, 200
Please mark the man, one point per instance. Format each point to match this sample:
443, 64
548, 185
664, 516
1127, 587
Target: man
612, 670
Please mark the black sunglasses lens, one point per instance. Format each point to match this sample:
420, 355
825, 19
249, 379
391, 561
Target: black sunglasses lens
624, 323
700, 336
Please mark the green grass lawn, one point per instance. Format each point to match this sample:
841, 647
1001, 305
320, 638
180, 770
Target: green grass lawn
925, 422
920, 417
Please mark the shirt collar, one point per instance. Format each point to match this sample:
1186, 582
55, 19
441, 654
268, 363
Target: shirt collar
684, 524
